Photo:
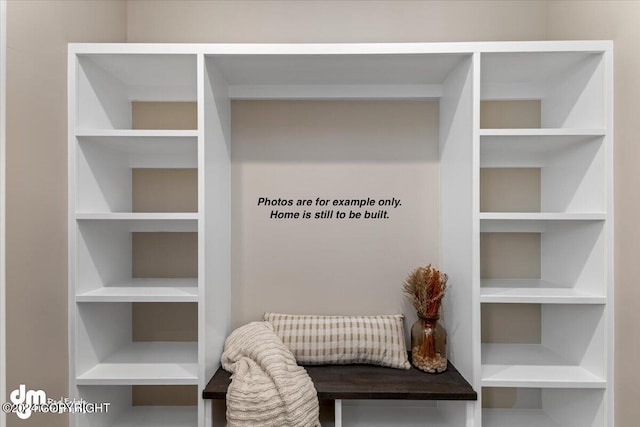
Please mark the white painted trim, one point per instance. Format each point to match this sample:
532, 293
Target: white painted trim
72, 274
339, 48
304, 92
476, 315
610, 262
202, 313
3, 142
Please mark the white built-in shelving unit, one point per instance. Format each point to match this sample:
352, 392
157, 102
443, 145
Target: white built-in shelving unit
569, 372
570, 369
103, 150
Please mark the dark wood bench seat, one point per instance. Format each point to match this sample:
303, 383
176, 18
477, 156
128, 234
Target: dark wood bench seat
336, 382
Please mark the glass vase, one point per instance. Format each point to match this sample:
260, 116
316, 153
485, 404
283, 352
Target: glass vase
429, 345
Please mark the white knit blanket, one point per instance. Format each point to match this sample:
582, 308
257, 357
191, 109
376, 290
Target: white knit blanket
268, 388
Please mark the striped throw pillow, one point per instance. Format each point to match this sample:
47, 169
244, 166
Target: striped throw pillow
341, 340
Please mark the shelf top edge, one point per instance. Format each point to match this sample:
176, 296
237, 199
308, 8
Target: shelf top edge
177, 291
543, 132
551, 216
556, 300
136, 133
586, 46
190, 216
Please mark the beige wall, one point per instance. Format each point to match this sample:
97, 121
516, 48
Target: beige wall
38, 33
36, 169
333, 21
618, 21
331, 150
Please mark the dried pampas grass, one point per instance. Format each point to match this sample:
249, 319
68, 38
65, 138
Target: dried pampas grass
425, 288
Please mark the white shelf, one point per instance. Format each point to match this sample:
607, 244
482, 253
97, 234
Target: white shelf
106, 159
113, 134
144, 290
533, 291
138, 216
146, 363
541, 132
542, 216
577, 152
361, 76
516, 417
535, 222
141, 222
106, 84
158, 416
569, 83
532, 365
572, 163
133, 149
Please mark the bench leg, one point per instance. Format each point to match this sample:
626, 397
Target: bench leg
338, 413
217, 413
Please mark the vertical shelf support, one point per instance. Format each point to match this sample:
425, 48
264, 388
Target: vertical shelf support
338, 413
214, 237
457, 114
